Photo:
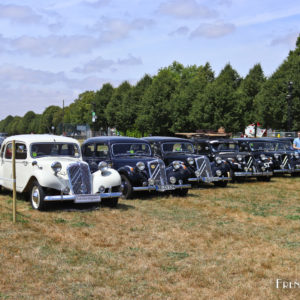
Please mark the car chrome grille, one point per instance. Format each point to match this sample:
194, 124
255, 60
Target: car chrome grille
285, 161
249, 163
203, 165
79, 178
157, 171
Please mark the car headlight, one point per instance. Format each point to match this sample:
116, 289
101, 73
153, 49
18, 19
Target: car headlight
140, 165
172, 179
218, 160
239, 157
56, 166
263, 157
176, 165
102, 166
101, 189
219, 172
151, 181
190, 160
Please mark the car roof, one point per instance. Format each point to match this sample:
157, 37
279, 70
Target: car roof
212, 141
113, 139
41, 138
165, 139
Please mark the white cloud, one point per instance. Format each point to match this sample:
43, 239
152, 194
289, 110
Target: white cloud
19, 14
186, 9
100, 64
96, 65
116, 29
288, 39
215, 30
183, 30
54, 45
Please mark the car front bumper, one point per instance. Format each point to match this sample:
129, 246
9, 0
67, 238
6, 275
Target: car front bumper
209, 179
161, 188
84, 198
252, 174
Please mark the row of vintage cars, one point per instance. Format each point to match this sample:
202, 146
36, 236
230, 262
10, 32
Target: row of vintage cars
103, 169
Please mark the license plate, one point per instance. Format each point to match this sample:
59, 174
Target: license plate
167, 187
87, 198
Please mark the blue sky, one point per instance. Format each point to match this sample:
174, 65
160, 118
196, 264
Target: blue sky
52, 51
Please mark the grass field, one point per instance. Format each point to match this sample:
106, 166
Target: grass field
216, 243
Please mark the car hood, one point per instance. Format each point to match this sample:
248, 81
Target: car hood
131, 160
46, 162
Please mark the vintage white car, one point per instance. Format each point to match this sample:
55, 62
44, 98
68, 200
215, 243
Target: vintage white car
50, 168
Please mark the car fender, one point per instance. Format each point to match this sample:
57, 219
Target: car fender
108, 178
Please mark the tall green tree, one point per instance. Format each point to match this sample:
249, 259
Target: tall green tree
247, 91
116, 110
272, 102
217, 106
102, 98
156, 106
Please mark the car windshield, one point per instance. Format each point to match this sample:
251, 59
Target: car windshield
178, 147
283, 146
125, 149
224, 147
262, 146
54, 149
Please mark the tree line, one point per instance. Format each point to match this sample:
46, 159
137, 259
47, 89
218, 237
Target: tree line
180, 99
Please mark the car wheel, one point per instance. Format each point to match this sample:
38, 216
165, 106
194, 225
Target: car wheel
181, 192
127, 187
110, 202
37, 196
221, 183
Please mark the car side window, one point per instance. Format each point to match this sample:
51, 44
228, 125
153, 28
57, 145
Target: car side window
8, 151
101, 150
89, 150
21, 151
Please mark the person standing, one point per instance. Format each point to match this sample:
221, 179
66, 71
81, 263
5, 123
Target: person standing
296, 143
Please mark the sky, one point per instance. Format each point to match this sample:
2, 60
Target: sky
51, 51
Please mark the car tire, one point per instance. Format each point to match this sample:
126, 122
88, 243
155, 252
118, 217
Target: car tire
110, 202
127, 187
180, 192
37, 196
221, 183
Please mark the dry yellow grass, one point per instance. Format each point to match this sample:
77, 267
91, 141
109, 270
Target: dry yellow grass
216, 243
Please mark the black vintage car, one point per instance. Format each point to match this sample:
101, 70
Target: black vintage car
134, 160
243, 164
172, 149
285, 159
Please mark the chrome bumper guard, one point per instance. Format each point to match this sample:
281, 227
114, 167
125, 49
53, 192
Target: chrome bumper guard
282, 171
243, 174
161, 188
266, 173
209, 179
85, 198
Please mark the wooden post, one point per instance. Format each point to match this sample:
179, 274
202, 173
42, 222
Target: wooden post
14, 179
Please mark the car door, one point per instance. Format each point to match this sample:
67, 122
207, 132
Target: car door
22, 173
22, 167
6, 166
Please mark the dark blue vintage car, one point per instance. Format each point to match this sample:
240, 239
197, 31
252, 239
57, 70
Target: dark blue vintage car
285, 159
243, 164
134, 160
172, 149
